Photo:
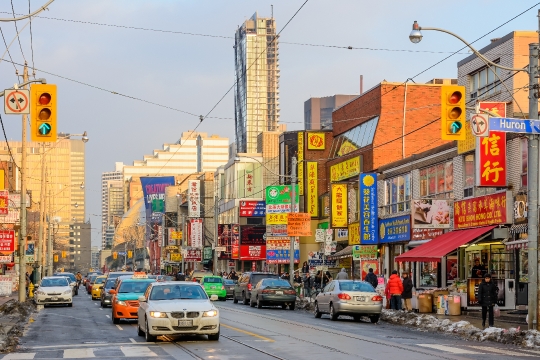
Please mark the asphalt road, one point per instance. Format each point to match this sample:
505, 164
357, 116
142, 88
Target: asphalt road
86, 331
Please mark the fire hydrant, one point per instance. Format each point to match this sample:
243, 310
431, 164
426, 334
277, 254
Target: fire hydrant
31, 290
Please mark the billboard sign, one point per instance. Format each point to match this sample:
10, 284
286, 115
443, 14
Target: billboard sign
430, 214
252, 208
194, 198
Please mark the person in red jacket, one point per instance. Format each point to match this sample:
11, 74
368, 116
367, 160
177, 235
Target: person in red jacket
394, 288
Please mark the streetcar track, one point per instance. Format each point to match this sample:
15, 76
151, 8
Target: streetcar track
342, 334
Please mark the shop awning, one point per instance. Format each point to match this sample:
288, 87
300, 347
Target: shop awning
518, 244
442, 245
345, 253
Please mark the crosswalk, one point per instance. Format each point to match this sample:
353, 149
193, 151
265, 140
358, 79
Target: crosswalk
482, 350
89, 353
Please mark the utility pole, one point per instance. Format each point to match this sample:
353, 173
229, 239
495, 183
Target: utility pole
22, 237
183, 241
216, 214
39, 254
50, 241
293, 209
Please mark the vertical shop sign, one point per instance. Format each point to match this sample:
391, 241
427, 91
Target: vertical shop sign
4, 202
196, 233
249, 182
194, 198
339, 205
491, 160
354, 233
312, 189
7, 241
301, 163
368, 209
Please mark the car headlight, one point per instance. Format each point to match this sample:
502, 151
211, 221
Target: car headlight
40, 293
158, 314
67, 292
210, 313
120, 302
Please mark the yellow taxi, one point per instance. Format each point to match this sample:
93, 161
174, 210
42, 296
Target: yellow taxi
97, 286
125, 298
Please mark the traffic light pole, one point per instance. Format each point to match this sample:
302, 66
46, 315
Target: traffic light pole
293, 209
39, 253
22, 232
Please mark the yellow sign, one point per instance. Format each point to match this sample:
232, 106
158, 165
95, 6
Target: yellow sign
130, 254
346, 169
469, 144
172, 247
301, 163
2, 179
276, 219
316, 141
339, 205
298, 224
312, 189
175, 257
346, 147
55, 258
354, 233
176, 235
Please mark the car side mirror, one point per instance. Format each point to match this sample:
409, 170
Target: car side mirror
142, 299
112, 291
214, 297
72, 284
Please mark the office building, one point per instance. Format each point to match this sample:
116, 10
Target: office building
256, 95
318, 111
95, 258
80, 255
109, 182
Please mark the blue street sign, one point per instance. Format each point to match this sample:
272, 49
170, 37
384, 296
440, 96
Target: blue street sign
122, 253
522, 126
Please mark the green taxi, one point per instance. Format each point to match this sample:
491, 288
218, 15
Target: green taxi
213, 285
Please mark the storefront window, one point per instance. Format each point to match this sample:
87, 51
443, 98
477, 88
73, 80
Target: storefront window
428, 273
469, 176
523, 266
397, 194
437, 180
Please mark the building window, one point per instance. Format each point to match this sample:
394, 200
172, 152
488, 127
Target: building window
79, 258
437, 181
484, 82
468, 181
524, 161
79, 246
397, 193
78, 252
355, 138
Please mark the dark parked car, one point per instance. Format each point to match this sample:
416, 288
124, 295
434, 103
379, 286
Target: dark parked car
273, 292
105, 296
248, 280
229, 286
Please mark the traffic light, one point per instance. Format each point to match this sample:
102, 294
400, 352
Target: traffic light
43, 112
115, 255
453, 112
130, 254
55, 258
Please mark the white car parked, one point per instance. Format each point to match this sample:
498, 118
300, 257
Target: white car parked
177, 308
54, 290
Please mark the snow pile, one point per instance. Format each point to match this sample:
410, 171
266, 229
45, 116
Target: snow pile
305, 303
13, 316
464, 329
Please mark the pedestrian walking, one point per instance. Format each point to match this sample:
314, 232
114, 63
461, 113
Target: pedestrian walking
297, 282
305, 267
342, 275
326, 278
318, 280
371, 278
394, 289
308, 284
407, 291
487, 297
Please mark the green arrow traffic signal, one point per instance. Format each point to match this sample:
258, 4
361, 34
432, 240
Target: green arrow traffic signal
44, 129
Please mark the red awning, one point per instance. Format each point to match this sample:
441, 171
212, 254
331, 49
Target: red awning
442, 245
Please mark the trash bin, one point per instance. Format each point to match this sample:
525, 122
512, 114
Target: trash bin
425, 302
454, 305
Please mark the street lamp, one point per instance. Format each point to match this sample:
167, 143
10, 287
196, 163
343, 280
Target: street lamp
533, 158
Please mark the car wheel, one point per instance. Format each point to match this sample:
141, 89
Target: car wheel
292, 306
139, 330
316, 311
70, 305
149, 337
115, 320
333, 314
259, 303
235, 300
214, 337
356, 317
245, 300
223, 299
374, 319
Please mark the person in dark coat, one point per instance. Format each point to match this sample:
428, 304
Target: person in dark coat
406, 295
308, 284
371, 278
487, 298
305, 267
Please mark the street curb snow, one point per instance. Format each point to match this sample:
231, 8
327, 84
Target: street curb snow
13, 318
464, 329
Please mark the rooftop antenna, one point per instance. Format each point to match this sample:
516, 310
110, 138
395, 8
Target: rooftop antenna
272, 10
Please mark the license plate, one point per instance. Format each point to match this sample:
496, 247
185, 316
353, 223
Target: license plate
279, 292
185, 323
54, 298
360, 298
212, 287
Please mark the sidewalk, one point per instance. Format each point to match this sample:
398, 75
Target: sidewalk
5, 299
506, 321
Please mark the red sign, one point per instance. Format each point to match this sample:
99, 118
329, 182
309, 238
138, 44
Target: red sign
7, 241
235, 252
193, 255
252, 252
484, 210
4, 202
252, 208
491, 151
426, 234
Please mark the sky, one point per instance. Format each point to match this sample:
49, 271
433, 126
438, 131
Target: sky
190, 73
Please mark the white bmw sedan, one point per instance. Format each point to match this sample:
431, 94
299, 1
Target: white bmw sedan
54, 290
177, 308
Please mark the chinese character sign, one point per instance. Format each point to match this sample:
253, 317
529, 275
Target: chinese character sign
196, 233
368, 209
486, 210
339, 205
312, 189
354, 233
346, 169
316, 141
395, 229
7, 241
249, 182
280, 195
364, 252
491, 160
252, 208
194, 198
301, 163
276, 219
4, 202
277, 250
193, 255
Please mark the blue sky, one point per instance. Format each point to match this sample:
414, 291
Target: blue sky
192, 73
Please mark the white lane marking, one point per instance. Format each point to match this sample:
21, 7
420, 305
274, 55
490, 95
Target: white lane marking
109, 316
19, 356
78, 353
132, 340
95, 304
100, 308
449, 349
140, 351
499, 351
119, 327
88, 345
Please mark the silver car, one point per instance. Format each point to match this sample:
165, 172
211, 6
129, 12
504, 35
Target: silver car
349, 297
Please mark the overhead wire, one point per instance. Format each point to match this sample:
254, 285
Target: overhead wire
7, 49
17, 31
31, 40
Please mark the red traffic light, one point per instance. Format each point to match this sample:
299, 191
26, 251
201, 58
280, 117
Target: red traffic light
455, 97
44, 99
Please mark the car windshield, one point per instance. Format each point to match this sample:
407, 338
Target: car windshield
255, 278
133, 287
54, 282
228, 282
174, 292
92, 278
110, 284
356, 286
100, 280
276, 283
70, 276
213, 280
